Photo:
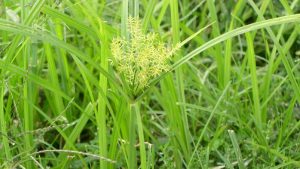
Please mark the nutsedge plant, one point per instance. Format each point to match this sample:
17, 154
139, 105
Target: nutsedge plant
228, 99
141, 60
138, 59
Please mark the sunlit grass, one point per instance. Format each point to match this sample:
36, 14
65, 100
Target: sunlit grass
196, 84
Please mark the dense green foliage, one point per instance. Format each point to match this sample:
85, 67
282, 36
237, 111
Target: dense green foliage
229, 97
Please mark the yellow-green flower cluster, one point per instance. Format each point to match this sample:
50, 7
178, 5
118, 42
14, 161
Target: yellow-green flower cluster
140, 58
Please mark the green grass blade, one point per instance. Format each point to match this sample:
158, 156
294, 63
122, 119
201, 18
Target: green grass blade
236, 32
3, 129
236, 148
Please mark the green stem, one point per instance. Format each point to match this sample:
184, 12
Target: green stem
143, 155
136, 8
3, 128
132, 135
102, 101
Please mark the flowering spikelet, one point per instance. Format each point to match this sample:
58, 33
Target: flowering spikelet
142, 57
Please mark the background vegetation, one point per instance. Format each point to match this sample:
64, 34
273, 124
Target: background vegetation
230, 100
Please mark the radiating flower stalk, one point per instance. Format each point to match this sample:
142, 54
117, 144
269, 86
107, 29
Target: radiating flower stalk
139, 59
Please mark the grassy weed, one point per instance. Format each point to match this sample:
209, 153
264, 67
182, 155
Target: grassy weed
149, 84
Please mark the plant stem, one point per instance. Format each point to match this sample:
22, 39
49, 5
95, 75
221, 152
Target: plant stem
143, 155
3, 128
131, 148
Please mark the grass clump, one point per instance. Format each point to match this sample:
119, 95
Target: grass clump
229, 98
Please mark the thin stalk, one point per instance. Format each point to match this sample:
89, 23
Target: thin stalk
228, 48
136, 8
3, 128
253, 72
218, 48
132, 135
28, 116
136, 110
102, 104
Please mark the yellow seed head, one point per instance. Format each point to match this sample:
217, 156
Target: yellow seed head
140, 58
